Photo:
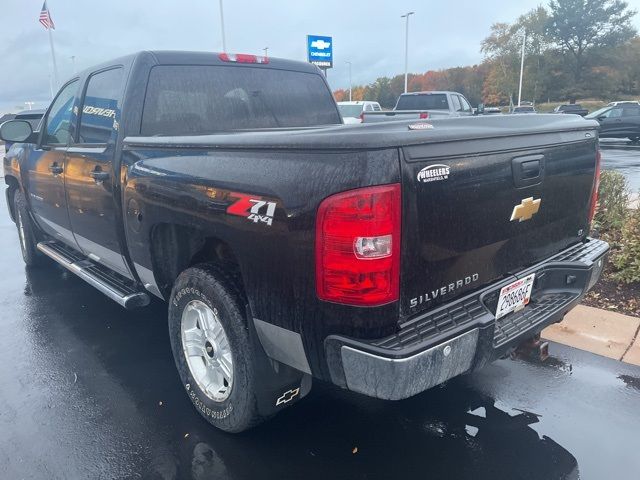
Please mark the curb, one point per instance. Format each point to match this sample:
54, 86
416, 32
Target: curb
598, 331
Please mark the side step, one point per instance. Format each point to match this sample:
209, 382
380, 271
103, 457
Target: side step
112, 284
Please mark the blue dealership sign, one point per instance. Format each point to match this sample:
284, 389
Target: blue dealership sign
320, 51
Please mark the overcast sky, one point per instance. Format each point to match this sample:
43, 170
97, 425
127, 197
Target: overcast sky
369, 33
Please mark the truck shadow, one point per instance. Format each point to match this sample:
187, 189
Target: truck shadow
122, 361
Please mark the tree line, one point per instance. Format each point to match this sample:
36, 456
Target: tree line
574, 49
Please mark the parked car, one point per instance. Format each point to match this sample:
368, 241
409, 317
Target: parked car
352, 112
623, 102
524, 109
574, 108
619, 121
384, 258
31, 116
422, 105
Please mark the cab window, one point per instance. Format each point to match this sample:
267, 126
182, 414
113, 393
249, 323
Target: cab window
60, 119
466, 107
101, 107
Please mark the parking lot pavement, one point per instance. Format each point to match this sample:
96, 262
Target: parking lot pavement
89, 390
623, 156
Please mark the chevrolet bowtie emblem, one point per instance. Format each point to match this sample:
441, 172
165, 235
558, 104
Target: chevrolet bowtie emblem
527, 209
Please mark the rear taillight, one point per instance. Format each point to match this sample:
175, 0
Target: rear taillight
242, 58
358, 246
424, 115
596, 187
361, 117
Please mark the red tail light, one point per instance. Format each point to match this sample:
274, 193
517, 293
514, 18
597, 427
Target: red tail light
424, 115
361, 117
358, 246
596, 187
242, 58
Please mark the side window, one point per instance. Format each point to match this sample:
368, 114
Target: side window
631, 112
59, 120
376, 107
614, 113
368, 107
466, 107
101, 107
455, 100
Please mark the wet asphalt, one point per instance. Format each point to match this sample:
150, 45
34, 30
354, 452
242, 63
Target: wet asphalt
623, 156
89, 390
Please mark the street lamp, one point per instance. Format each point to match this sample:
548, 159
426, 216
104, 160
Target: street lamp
349, 63
406, 49
224, 43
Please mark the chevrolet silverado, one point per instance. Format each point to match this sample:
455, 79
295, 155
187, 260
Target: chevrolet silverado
385, 258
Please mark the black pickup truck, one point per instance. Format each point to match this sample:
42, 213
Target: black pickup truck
385, 258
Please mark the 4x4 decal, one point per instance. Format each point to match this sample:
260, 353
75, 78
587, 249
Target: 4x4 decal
252, 207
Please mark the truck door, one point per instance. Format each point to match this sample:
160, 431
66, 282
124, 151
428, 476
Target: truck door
44, 166
91, 179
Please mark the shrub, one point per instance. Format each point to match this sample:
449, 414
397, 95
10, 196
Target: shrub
613, 203
627, 258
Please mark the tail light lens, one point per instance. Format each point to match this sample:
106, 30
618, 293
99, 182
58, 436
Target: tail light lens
424, 115
596, 187
358, 246
361, 117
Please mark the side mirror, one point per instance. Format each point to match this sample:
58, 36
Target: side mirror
15, 131
601, 118
480, 109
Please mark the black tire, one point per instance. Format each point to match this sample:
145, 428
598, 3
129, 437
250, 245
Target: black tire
26, 232
216, 289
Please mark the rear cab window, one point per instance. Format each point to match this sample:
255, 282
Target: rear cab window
432, 101
203, 99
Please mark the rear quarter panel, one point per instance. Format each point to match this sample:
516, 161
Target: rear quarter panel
194, 188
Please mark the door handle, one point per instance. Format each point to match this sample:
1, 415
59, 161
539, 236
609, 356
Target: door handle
98, 175
527, 170
55, 169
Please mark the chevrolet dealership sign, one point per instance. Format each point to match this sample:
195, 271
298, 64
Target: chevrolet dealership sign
320, 51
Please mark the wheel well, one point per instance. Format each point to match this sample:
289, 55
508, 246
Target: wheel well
13, 185
175, 248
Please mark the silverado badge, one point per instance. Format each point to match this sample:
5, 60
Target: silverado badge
527, 209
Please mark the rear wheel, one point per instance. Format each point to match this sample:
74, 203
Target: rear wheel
26, 232
212, 349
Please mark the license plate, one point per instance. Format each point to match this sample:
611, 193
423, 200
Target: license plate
515, 296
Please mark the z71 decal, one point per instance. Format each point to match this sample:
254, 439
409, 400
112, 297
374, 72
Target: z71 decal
253, 208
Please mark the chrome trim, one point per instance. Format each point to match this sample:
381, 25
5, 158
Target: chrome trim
398, 378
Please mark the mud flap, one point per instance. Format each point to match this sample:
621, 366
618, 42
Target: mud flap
278, 385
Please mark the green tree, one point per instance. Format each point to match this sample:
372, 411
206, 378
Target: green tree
577, 27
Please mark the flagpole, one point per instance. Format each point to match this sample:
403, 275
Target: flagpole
53, 58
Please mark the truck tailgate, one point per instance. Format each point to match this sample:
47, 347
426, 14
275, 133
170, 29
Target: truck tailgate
462, 227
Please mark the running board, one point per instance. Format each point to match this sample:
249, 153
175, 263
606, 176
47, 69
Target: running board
112, 284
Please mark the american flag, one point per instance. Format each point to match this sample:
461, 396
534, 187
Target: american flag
45, 18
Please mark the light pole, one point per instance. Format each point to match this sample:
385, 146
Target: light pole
30, 104
224, 42
406, 49
524, 41
350, 84
266, 52
73, 64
